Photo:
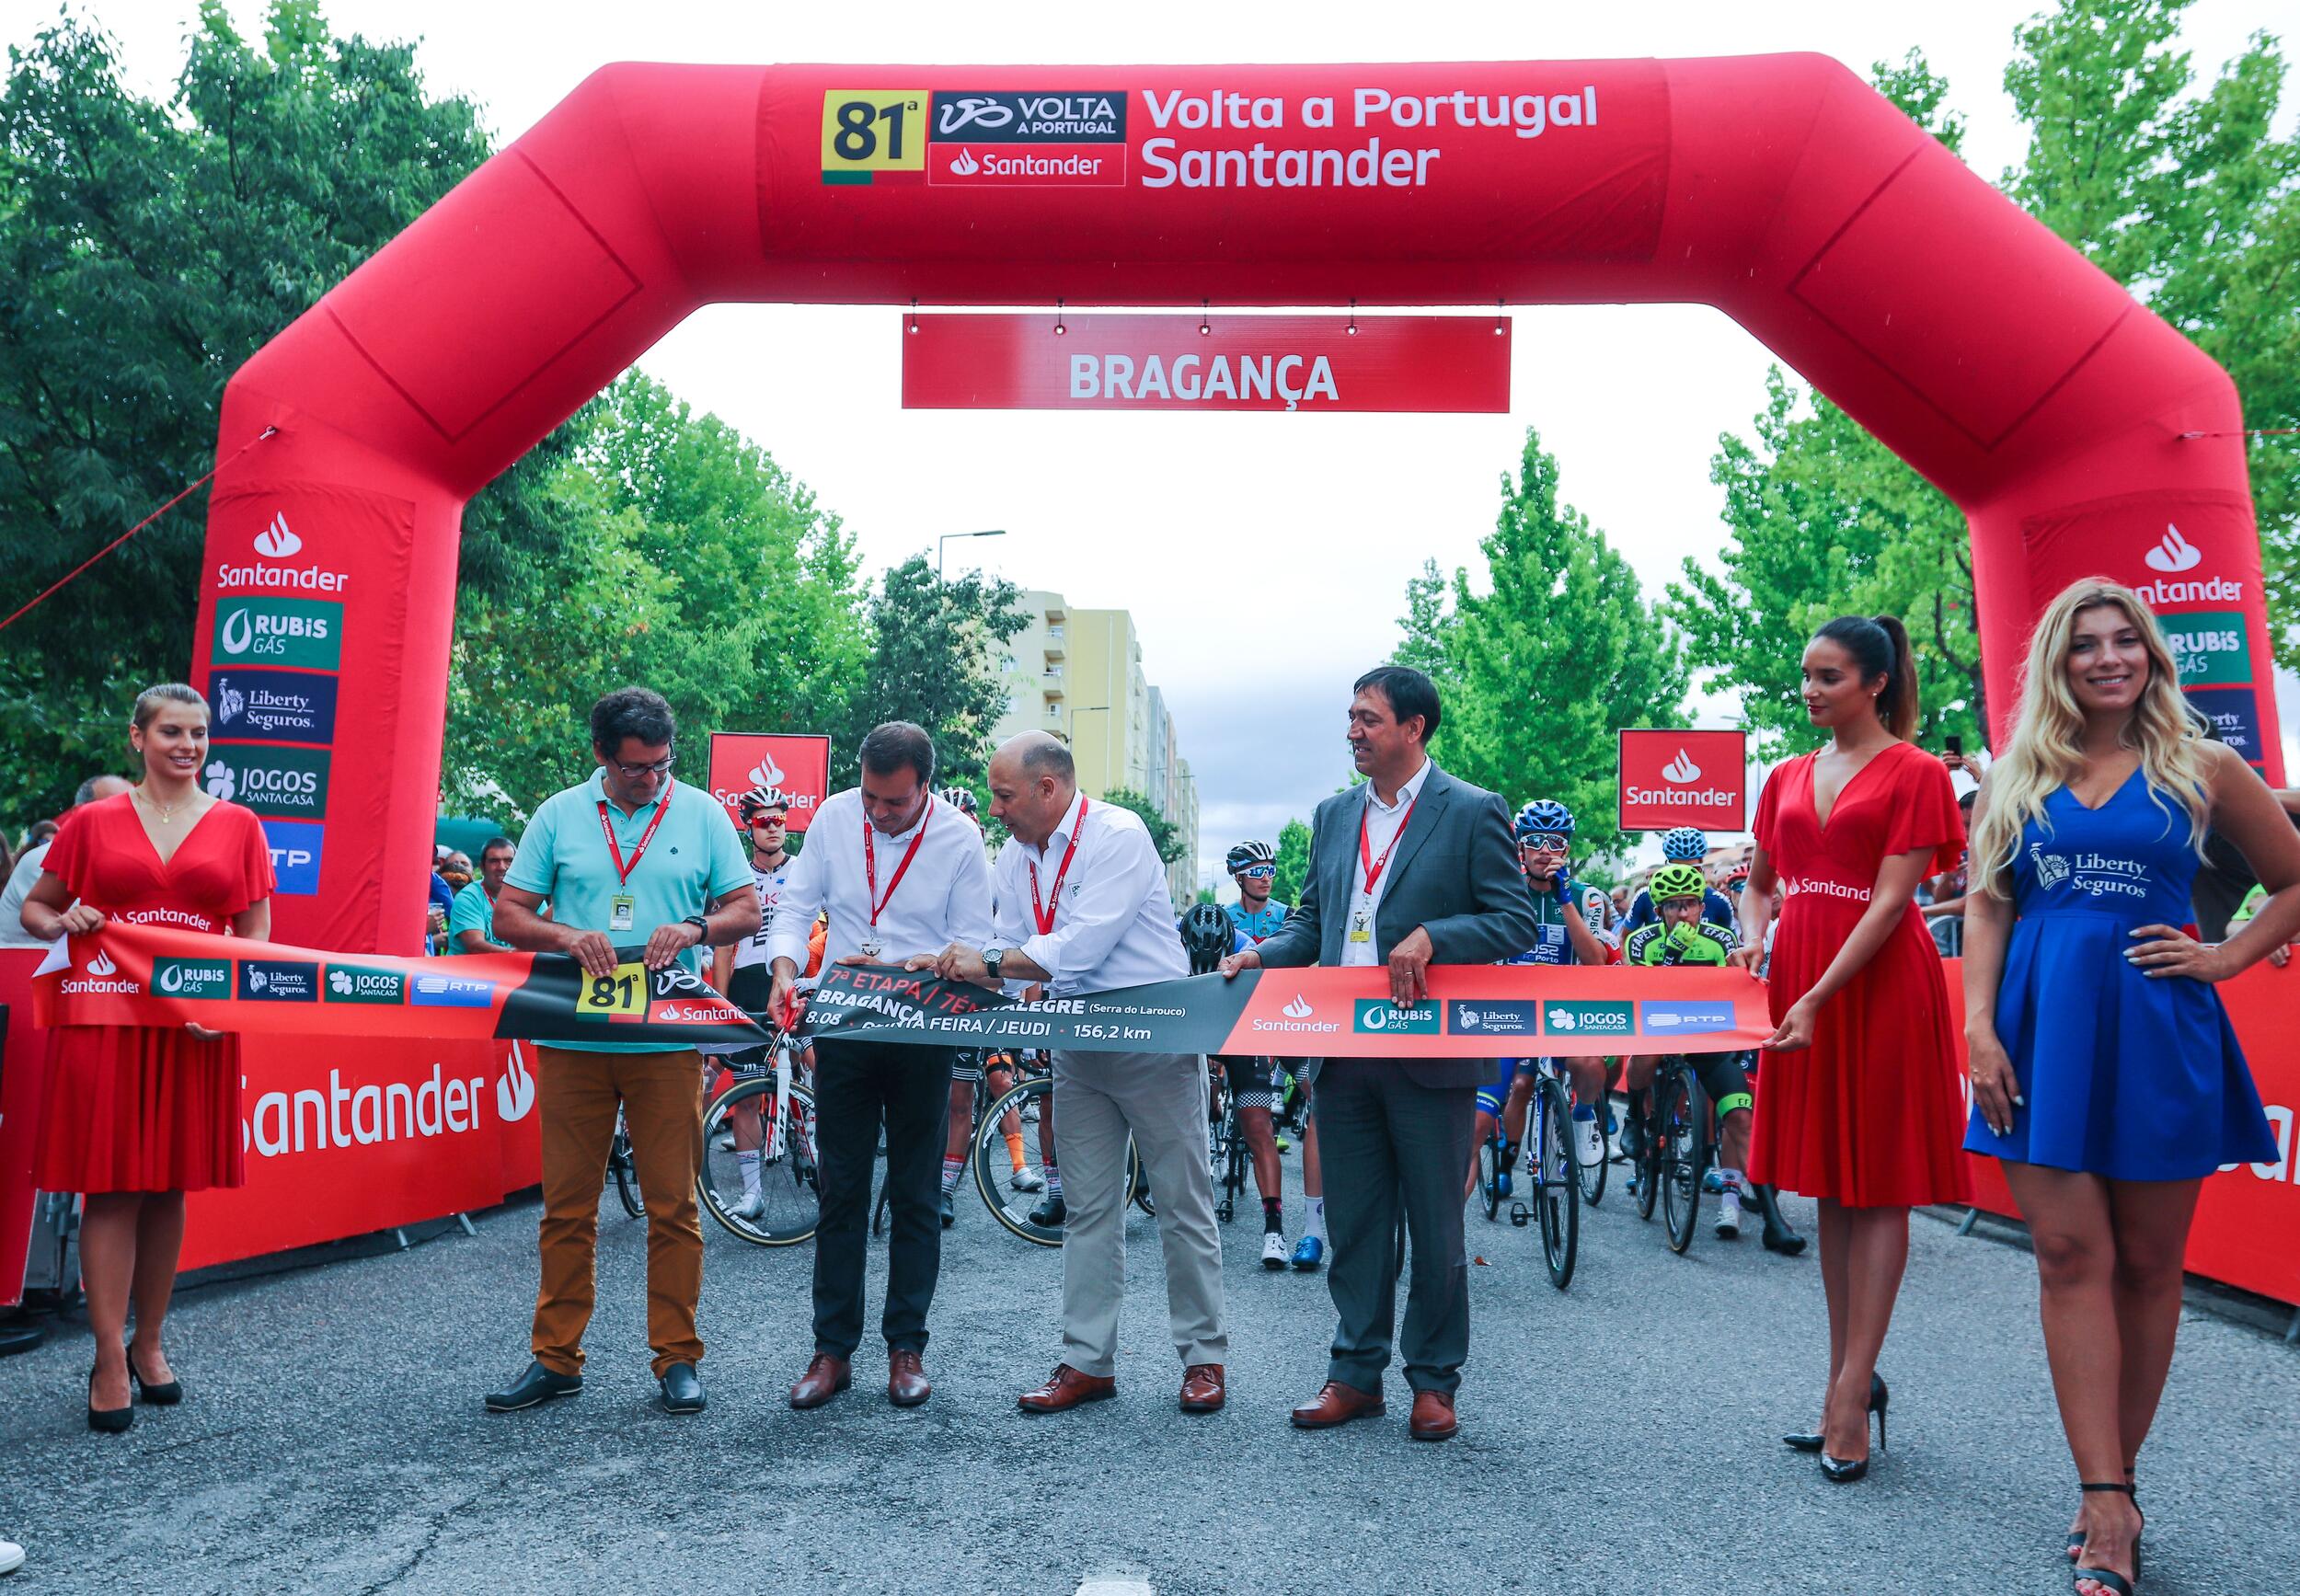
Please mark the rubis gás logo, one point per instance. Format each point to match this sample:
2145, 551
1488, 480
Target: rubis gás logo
1379, 1015
304, 633
2175, 554
193, 976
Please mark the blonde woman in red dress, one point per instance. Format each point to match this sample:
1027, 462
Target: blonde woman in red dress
135, 1116
1857, 1101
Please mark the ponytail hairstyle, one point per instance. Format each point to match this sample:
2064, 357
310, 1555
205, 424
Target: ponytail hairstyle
149, 701
1879, 646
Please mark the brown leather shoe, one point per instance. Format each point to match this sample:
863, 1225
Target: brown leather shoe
907, 1381
1337, 1403
1202, 1390
1066, 1389
825, 1377
1432, 1417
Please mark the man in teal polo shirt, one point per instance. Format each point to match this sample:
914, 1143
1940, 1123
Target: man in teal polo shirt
628, 857
471, 918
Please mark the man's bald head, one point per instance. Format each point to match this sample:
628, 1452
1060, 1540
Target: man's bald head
1032, 782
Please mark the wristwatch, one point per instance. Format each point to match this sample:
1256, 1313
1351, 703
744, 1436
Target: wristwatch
992, 959
702, 927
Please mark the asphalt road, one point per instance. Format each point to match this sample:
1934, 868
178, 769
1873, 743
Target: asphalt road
1620, 1437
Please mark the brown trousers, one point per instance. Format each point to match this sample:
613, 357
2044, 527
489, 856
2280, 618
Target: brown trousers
662, 1095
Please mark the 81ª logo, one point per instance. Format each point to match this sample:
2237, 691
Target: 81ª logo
867, 131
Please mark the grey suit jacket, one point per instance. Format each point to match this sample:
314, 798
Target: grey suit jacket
1453, 873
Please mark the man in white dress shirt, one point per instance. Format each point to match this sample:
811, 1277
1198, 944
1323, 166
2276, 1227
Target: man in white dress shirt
901, 875
1083, 906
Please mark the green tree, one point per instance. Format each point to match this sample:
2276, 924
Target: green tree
1293, 862
1551, 654
1165, 835
1427, 625
146, 249
934, 647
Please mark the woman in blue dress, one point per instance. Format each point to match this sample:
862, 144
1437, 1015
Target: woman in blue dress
2105, 1074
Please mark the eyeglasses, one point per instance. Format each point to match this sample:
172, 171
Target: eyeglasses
769, 819
1259, 872
1546, 842
633, 771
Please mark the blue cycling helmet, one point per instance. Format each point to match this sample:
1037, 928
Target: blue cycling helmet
1686, 845
1545, 817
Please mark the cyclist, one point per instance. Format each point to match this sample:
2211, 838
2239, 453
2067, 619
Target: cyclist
1682, 846
978, 1070
1254, 867
1682, 935
741, 972
1209, 932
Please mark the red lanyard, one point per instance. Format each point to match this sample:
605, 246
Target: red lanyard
871, 863
1373, 867
1043, 914
622, 870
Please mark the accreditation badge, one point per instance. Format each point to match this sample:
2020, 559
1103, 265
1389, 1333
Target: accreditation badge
621, 910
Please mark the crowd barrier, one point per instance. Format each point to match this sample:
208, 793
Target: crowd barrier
346, 1137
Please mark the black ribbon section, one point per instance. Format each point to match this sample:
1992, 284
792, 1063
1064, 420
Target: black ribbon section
881, 1003
561, 1002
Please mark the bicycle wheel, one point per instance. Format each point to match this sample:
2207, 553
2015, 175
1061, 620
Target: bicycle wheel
790, 1188
1010, 1207
626, 1172
1592, 1178
1554, 1195
1682, 1114
1649, 1162
1490, 1173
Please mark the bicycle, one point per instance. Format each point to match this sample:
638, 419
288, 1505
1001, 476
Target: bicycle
626, 1172
1678, 1146
1227, 1151
789, 1170
1555, 1183
1592, 1176
1011, 1209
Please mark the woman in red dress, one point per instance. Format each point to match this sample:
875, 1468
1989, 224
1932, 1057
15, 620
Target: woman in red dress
1857, 1101
136, 1115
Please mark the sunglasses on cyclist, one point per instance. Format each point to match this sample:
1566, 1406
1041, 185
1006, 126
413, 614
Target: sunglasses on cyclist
769, 817
1544, 843
1259, 872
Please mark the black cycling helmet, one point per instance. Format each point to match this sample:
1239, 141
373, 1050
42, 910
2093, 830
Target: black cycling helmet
1247, 854
1207, 936
961, 798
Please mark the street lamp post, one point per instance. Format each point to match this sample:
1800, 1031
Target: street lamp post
947, 536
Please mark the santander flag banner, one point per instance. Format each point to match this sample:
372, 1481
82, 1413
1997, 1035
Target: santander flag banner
1684, 778
1206, 362
800, 765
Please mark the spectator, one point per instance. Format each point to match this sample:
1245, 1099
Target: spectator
471, 918
27, 863
1941, 900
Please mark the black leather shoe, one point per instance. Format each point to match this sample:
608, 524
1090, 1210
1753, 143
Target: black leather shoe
538, 1384
682, 1391
949, 1214
1053, 1211
109, 1420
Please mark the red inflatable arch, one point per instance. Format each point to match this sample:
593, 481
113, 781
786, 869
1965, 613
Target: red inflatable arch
2078, 432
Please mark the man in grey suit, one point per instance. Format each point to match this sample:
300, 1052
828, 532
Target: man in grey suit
1407, 869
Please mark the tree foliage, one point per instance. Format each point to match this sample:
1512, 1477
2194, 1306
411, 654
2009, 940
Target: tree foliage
1545, 658
1165, 835
1293, 863
933, 640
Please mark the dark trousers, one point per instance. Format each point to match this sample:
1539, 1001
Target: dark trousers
858, 1087
1389, 1144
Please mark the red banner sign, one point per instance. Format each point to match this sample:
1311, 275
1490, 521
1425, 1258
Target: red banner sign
1684, 778
1211, 362
799, 765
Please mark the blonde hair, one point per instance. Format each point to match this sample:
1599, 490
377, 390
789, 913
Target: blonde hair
2046, 752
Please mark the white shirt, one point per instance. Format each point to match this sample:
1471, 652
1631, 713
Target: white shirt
1383, 825
758, 949
944, 896
1113, 919
21, 884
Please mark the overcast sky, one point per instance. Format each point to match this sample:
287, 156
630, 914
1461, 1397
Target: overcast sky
1264, 557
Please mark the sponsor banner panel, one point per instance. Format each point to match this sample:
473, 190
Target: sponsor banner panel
149, 975
1472, 1010
1684, 778
276, 782
2247, 1218
799, 765
2194, 558
1206, 362
296, 848
272, 706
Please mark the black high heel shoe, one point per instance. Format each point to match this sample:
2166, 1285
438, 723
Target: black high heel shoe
1811, 1441
2109, 1578
163, 1395
110, 1420
2076, 1537
1836, 1471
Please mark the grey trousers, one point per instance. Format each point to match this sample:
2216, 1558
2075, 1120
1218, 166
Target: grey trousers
1391, 1145
1160, 1099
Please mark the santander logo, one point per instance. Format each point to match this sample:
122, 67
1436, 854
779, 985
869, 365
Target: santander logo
102, 965
276, 542
766, 773
514, 1089
1298, 1009
1681, 771
2173, 553
964, 164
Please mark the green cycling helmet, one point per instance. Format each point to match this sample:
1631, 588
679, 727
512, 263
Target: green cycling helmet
1676, 881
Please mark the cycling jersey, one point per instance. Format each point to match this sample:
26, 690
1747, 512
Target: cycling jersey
1258, 926
1698, 943
1715, 909
1551, 944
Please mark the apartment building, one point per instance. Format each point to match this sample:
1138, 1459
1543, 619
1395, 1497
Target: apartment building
1078, 674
